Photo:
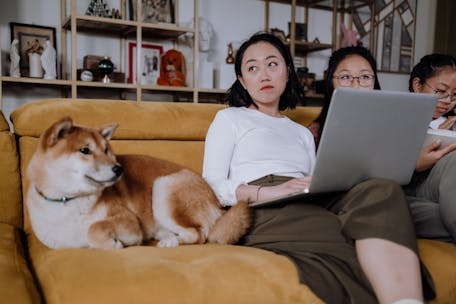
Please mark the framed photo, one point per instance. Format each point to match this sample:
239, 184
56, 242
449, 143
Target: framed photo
149, 63
155, 11
31, 39
300, 31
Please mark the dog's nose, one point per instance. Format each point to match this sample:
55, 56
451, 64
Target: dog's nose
117, 169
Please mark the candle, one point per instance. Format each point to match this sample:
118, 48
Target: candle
35, 65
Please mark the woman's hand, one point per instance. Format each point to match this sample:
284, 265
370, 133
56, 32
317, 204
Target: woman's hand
291, 186
448, 123
431, 154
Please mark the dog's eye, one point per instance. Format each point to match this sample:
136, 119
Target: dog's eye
85, 150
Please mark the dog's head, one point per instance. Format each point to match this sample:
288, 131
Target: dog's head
74, 160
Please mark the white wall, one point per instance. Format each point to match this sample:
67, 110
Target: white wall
233, 21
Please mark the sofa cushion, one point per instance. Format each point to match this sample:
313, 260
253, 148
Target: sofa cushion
186, 274
440, 259
17, 284
144, 120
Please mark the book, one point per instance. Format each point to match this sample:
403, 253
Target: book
447, 137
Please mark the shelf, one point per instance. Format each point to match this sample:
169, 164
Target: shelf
125, 28
342, 6
56, 82
99, 84
304, 47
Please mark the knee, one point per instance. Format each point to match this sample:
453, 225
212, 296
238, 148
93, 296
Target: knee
382, 186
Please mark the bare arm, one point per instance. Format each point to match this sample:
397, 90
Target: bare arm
252, 193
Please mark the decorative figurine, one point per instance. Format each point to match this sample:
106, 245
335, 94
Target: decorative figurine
48, 61
106, 67
98, 8
15, 58
172, 69
206, 33
230, 58
349, 37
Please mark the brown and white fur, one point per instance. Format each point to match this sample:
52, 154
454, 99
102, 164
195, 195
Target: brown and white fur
81, 195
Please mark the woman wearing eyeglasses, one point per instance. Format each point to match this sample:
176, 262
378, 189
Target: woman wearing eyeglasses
352, 66
433, 187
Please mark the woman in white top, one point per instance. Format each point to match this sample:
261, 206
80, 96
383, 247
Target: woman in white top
357, 246
432, 190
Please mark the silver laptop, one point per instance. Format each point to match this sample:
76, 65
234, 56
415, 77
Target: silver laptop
368, 134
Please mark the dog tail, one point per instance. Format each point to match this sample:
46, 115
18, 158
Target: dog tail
232, 225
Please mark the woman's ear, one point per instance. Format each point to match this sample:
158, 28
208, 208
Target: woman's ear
417, 86
242, 82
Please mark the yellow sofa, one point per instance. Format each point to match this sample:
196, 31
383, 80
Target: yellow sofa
32, 273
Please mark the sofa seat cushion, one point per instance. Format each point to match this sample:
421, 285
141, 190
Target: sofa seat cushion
440, 259
186, 274
16, 282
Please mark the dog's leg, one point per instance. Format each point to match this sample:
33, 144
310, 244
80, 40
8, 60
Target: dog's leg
181, 235
115, 233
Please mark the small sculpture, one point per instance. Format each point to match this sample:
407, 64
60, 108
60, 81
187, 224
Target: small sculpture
48, 61
106, 67
206, 33
98, 8
15, 58
349, 37
172, 69
230, 58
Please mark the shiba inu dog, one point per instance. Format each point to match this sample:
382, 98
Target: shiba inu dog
81, 195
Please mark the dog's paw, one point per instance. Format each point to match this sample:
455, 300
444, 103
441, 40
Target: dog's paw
168, 242
118, 244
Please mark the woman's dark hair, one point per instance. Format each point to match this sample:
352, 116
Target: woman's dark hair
293, 94
428, 66
333, 63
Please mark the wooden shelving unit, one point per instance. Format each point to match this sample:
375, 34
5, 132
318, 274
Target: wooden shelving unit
74, 23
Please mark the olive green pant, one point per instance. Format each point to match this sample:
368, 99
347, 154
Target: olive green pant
318, 234
432, 198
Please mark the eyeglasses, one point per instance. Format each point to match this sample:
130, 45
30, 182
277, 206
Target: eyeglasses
346, 80
442, 94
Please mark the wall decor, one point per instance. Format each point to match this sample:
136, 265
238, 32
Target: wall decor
149, 62
392, 35
153, 11
32, 39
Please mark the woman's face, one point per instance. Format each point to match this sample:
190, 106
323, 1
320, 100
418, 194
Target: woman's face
264, 74
354, 72
442, 83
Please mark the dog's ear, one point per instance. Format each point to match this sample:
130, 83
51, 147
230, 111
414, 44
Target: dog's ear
107, 131
57, 131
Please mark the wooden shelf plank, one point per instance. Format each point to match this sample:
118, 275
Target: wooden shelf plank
126, 28
303, 47
56, 82
327, 4
99, 84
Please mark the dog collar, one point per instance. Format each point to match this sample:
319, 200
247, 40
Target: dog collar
63, 199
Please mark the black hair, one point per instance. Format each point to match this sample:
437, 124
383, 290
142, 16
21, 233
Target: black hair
428, 66
334, 61
293, 93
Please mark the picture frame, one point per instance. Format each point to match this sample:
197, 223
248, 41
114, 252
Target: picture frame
157, 11
149, 63
153, 11
300, 31
31, 39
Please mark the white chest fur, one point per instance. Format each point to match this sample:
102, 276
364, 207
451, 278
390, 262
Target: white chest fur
62, 225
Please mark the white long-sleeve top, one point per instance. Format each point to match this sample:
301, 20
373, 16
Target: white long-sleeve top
244, 144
